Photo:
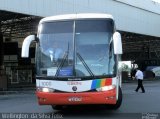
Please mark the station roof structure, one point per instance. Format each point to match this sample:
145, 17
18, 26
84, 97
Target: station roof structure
137, 16
137, 20
17, 25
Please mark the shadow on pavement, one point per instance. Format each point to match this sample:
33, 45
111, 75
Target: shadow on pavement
94, 111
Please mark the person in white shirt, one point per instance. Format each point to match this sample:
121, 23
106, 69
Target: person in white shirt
139, 77
54, 52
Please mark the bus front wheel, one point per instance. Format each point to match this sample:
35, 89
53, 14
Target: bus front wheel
57, 107
119, 101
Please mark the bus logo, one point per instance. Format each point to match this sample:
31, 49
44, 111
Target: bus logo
74, 83
74, 88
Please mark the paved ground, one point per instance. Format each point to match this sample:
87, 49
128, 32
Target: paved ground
134, 105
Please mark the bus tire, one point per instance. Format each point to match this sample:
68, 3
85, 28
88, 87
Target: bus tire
57, 107
119, 101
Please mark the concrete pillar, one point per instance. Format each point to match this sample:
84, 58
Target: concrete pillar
1, 50
3, 78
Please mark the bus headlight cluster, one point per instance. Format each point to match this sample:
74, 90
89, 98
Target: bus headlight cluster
106, 88
45, 89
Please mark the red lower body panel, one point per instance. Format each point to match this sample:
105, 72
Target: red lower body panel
107, 97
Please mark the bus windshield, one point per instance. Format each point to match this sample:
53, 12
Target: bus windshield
76, 48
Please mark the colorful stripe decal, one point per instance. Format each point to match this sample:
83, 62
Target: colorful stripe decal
103, 82
93, 85
97, 83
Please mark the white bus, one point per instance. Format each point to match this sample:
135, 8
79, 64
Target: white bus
77, 59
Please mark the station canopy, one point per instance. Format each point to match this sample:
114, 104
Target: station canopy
135, 46
16, 25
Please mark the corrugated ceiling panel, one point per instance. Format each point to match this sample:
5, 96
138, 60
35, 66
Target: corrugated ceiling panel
138, 16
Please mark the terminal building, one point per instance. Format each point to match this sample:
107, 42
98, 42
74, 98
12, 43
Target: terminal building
138, 22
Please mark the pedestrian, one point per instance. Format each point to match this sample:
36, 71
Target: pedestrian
53, 51
139, 76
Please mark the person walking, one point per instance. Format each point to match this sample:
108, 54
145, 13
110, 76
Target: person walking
139, 76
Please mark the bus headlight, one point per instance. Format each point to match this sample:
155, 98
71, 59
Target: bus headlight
45, 89
106, 88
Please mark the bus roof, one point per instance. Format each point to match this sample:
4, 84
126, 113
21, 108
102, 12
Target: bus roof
76, 16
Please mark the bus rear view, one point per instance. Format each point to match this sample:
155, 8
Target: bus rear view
77, 59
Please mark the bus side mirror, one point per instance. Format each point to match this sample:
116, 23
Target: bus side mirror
25, 46
117, 43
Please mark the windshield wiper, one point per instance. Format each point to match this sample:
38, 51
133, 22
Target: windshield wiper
85, 65
63, 61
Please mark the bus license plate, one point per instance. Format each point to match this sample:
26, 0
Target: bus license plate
75, 99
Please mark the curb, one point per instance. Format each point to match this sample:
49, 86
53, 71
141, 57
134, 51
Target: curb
135, 81
17, 92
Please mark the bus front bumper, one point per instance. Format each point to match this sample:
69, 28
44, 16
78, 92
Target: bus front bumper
106, 97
